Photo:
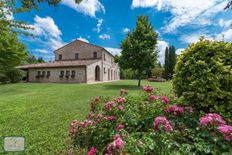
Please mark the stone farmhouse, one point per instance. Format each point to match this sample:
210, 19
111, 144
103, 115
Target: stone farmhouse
76, 62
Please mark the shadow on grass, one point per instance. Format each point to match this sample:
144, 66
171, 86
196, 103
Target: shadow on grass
118, 87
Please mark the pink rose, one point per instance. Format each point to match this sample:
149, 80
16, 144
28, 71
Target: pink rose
110, 118
164, 122
98, 98
148, 88
119, 127
226, 130
120, 108
175, 109
212, 119
116, 145
73, 128
92, 151
109, 105
121, 100
165, 99
153, 97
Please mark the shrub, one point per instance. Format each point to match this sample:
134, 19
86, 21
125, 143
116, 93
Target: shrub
141, 125
157, 72
11, 76
156, 80
203, 76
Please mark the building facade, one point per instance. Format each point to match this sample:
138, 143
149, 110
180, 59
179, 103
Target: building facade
76, 62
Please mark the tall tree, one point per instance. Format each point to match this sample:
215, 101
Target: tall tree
166, 64
138, 48
172, 59
12, 53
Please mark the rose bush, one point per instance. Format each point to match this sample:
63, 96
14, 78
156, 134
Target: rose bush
150, 123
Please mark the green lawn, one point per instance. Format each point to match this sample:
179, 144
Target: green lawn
42, 112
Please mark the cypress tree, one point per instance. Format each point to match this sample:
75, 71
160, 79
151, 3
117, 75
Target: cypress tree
166, 63
172, 60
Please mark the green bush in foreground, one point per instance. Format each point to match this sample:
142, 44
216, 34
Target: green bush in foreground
203, 76
148, 124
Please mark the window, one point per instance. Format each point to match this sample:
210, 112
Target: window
67, 74
104, 56
76, 55
60, 56
48, 74
94, 54
61, 74
104, 70
43, 74
73, 74
38, 74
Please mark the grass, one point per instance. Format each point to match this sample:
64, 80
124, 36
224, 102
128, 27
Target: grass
42, 112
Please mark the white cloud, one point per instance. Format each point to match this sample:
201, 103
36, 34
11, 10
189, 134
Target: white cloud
83, 39
104, 36
41, 50
99, 24
225, 35
147, 3
114, 51
46, 27
126, 30
47, 32
160, 48
192, 38
185, 12
179, 50
225, 23
87, 7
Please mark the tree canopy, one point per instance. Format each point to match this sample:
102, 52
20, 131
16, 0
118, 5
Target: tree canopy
138, 48
33, 4
12, 53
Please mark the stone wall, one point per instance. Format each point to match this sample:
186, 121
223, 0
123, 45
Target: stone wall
80, 75
91, 71
110, 69
85, 51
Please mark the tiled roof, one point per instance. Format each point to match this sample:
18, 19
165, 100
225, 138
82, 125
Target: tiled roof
55, 64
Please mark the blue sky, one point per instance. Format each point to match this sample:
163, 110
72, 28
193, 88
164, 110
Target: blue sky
106, 23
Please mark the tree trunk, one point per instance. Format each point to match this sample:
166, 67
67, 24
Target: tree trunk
139, 78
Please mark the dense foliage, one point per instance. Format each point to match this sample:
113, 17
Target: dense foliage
203, 76
138, 48
12, 51
157, 72
147, 124
169, 62
12, 54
